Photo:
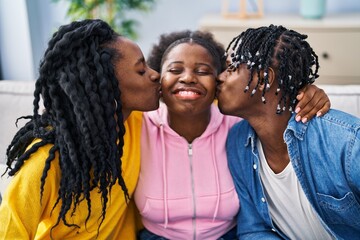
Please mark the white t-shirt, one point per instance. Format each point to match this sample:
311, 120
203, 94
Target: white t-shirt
289, 208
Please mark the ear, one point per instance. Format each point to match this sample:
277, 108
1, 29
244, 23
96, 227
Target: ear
271, 78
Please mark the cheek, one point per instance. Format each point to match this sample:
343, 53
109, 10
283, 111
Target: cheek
132, 85
211, 87
167, 82
238, 81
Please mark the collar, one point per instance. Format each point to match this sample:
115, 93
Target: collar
295, 128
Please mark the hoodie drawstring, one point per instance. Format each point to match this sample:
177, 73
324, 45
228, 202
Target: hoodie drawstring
216, 176
164, 174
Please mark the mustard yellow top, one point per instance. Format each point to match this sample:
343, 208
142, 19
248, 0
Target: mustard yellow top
22, 216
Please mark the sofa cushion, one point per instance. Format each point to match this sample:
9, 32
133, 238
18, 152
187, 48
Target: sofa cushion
16, 100
344, 97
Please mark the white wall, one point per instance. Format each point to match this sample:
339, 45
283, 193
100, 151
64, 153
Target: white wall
20, 56
170, 15
15, 45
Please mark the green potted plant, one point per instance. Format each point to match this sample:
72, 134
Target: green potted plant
111, 11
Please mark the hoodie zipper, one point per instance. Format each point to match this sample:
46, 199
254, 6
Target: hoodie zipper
190, 154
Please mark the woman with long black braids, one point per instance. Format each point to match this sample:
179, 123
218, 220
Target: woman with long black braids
76, 163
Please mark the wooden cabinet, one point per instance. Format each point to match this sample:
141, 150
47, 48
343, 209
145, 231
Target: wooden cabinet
335, 39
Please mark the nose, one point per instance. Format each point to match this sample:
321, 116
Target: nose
187, 77
222, 77
154, 75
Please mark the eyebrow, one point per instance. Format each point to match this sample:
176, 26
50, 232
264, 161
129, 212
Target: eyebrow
197, 64
140, 61
176, 62
205, 64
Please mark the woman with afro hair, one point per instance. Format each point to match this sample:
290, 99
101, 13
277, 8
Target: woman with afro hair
185, 190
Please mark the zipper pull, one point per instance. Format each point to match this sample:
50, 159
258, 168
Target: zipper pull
190, 152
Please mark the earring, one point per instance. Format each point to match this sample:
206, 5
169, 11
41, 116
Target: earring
116, 104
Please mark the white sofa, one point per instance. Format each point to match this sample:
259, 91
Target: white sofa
16, 100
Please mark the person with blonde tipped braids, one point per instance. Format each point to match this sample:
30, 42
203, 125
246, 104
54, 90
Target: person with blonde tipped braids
75, 165
294, 180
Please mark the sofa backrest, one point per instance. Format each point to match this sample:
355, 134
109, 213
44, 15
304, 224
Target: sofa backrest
16, 100
344, 97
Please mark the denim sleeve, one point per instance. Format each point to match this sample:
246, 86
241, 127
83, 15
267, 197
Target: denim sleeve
353, 166
250, 225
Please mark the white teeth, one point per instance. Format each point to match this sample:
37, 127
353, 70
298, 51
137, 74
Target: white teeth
187, 93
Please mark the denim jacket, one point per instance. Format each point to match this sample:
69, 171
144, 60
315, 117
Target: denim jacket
325, 154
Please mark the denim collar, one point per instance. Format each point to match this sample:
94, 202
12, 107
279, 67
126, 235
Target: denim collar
297, 129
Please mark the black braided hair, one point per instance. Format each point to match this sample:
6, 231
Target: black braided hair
169, 40
286, 51
78, 87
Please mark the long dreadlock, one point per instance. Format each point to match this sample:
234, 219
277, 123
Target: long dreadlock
284, 50
78, 87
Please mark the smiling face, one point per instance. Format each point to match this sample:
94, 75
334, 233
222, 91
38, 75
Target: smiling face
188, 79
139, 84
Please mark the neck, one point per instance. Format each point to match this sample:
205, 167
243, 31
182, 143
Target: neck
270, 128
126, 114
189, 127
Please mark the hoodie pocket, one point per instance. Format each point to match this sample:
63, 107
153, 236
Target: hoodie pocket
178, 209
345, 210
223, 209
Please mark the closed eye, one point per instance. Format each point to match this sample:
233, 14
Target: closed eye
204, 73
175, 70
141, 72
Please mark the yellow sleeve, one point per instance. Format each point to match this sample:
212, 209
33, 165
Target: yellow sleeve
22, 216
21, 210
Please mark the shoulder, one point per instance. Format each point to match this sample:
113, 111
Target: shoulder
338, 122
28, 178
238, 140
341, 118
132, 131
135, 118
239, 130
334, 122
133, 126
36, 162
231, 120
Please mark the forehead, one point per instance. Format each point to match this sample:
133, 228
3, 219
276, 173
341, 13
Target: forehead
185, 51
128, 49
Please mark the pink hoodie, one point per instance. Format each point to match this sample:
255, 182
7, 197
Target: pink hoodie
185, 191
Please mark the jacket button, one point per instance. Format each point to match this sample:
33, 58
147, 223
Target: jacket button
263, 199
255, 166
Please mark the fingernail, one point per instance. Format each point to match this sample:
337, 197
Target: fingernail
304, 120
298, 118
318, 114
297, 110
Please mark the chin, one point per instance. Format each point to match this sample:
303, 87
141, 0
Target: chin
226, 111
222, 109
151, 107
